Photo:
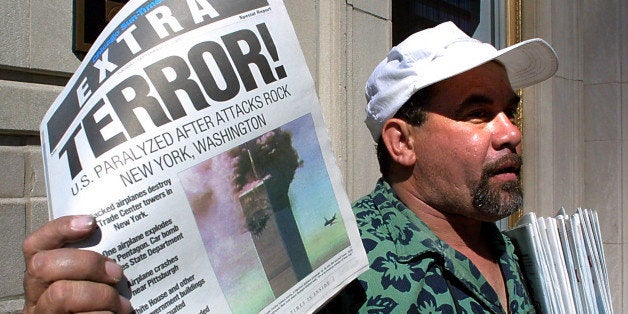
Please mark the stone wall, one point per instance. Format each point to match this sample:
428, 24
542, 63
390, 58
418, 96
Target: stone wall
576, 125
35, 62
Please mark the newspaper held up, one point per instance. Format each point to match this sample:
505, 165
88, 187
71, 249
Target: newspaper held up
192, 132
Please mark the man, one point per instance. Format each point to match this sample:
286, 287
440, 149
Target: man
440, 107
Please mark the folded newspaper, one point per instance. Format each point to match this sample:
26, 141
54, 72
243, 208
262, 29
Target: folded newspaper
193, 133
563, 261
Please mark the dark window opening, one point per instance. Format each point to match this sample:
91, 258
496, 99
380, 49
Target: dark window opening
410, 16
90, 18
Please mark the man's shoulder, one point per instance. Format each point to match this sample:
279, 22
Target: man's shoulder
371, 214
365, 202
371, 201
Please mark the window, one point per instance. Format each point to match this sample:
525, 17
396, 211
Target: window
90, 18
481, 19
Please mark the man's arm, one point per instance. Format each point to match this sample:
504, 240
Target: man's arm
59, 279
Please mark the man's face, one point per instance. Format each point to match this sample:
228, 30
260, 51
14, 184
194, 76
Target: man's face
468, 149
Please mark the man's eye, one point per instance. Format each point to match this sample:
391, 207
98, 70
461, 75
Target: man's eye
511, 114
479, 114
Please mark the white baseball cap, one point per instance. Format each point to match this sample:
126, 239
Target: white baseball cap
437, 53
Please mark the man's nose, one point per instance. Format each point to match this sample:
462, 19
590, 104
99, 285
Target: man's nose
505, 132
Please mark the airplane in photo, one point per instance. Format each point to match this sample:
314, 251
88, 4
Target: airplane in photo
330, 221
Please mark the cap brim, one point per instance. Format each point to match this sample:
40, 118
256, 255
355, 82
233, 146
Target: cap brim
528, 62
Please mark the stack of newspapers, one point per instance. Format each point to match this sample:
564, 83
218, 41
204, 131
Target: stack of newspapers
563, 261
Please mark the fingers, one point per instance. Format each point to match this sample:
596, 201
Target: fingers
77, 297
57, 233
46, 267
68, 279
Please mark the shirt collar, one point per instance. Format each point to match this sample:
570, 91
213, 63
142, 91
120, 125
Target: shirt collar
404, 225
413, 238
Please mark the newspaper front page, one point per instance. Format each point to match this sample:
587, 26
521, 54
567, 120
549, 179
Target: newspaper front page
193, 133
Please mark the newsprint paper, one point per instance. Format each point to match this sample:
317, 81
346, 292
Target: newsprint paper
193, 133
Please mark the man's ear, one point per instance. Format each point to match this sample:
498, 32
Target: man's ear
396, 134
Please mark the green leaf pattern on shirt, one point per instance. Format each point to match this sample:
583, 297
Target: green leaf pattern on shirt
412, 271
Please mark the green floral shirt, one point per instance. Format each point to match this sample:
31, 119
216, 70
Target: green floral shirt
413, 271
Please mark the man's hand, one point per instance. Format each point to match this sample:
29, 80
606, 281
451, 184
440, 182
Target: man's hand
64, 280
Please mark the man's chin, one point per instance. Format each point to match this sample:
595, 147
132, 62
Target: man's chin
499, 203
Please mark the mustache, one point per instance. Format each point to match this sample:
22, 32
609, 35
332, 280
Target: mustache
506, 163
